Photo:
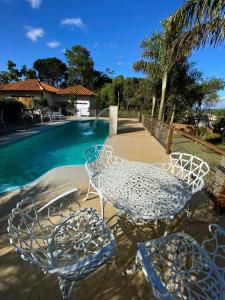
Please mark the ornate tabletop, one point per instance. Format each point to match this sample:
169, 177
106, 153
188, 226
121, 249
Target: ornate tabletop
144, 191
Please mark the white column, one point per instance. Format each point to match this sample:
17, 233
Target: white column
113, 119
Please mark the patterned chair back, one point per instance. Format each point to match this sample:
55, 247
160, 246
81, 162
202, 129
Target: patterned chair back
189, 168
31, 227
97, 157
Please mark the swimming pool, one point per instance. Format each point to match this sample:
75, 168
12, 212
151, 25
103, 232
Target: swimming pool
29, 158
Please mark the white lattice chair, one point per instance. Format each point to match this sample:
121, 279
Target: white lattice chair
61, 239
97, 158
189, 168
177, 267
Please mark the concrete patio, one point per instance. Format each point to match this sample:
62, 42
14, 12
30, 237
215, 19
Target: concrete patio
19, 280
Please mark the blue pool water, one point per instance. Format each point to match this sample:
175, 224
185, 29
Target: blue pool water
27, 159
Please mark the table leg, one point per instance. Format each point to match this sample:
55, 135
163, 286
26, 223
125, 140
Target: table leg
156, 227
167, 221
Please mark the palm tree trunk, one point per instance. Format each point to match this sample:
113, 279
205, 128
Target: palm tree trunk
153, 105
163, 95
173, 114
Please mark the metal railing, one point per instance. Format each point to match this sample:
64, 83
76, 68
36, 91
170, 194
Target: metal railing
176, 140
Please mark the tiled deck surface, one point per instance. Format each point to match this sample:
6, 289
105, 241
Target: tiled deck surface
19, 280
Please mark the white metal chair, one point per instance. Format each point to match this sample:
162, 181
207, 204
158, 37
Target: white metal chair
97, 157
2, 122
177, 267
57, 115
45, 114
61, 239
27, 114
189, 168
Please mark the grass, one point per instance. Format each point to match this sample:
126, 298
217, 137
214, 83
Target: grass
183, 144
222, 145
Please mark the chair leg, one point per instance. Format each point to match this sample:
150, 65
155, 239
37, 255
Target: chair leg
65, 286
88, 192
189, 214
102, 203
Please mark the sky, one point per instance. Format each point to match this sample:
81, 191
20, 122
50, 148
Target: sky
110, 30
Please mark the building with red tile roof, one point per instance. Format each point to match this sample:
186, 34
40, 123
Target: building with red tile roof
55, 97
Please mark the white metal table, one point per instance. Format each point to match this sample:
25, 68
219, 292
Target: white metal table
143, 191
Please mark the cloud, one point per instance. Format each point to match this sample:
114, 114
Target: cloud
53, 44
34, 3
34, 33
119, 63
96, 44
73, 22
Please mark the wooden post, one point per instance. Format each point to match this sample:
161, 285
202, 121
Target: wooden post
169, 140
152, 125
221, 197
139, 117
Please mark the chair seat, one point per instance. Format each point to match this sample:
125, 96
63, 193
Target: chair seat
177, 267
79, 249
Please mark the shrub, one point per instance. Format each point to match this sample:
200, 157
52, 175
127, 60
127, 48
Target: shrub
12, 108
214, 138
219, 127
39, 102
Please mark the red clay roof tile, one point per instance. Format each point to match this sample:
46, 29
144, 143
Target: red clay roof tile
29, 85
76, 90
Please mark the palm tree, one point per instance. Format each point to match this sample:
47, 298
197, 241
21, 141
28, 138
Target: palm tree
156, 68
160, 57
150, 69
203, 22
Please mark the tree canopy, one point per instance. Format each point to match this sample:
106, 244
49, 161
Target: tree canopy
80, 66
51, 70
13, 74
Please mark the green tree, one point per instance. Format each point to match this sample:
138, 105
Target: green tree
182, 89
13, 72
106, 96
28, 73
207, 96
11, 75
51, 70
80, 66
118, 83
99, 79
4, 77
130, 87
151, 70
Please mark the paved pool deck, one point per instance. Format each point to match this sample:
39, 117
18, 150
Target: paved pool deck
21, 281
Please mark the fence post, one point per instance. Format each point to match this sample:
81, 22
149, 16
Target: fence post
139, 117
169, 140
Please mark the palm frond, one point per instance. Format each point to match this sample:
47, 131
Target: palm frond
212, 32
148, 68
198, 11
